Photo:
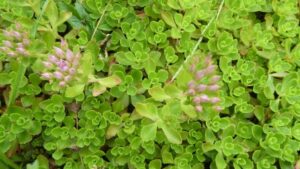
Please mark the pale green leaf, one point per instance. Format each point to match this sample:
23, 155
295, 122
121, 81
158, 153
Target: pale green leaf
147, 110
148, 132
74, 91
172, 134
158, 93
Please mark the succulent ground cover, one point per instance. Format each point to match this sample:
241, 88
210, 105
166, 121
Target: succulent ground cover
173, 84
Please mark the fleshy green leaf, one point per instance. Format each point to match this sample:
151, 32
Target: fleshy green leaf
147, 110
148, 132
74, 91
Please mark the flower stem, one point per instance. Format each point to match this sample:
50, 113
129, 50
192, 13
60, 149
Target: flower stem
198, 42
35, 26
8, 162
16, 83
100, 20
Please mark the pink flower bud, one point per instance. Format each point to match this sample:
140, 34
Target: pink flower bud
72, 71
62, 65
52, 59
191, 84
64, 68
215, 100
215, 79
193, 68
69, 55
7, 34
3, 49
26, 42
208, 60
210, 69
77, 56
7, 43
197, 100
63, 44
47, 76
199, 108
62, 83
191, 92
204, 98
297, 165
201, 87
217, 108
67, 78
18, 26
58, 75
200, 74
47, 64
75, 62
21, 50
213, 87
11, 54
59, 52
20, 45
76, 59
17, 35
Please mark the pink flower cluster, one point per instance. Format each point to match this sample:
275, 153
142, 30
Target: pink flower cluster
15, 43
62, 65
204, 87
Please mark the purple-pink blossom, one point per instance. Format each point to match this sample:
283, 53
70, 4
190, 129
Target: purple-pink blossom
63, 64
204, 86
199, 108
201, 87
15, 42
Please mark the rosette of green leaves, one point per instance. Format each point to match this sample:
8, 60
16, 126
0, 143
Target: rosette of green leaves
288, 26
257, 5
223, 44
179, 23
285, 8
242, 161
131, 83
229, 22
18, 124
155, 78
93, 161
6, 137
137, 58
137, 160
94, 6
155, 33
263, 161
289, 90
160, 118
54, 110
118, 12
134, 30
170, 54
183, 161
273, 144
230, 147
263, 38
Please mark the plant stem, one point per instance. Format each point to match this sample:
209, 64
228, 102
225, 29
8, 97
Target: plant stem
100, 20
35, 26
8, 162
198, 42
16, 83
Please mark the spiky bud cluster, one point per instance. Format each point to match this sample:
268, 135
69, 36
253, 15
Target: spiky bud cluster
204, 87
15, 43
62, 65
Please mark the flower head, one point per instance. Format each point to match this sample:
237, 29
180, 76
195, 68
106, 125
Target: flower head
60, 64
16, 42
203, 89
